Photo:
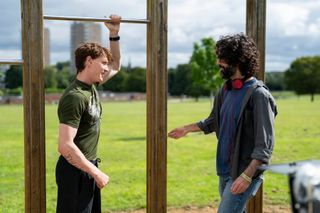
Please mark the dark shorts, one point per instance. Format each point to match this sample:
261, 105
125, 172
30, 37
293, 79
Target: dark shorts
77, 191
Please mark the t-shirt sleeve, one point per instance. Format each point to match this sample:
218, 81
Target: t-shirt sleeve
71, 108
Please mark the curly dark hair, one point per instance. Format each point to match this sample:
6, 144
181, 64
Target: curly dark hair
240, 50
92, 49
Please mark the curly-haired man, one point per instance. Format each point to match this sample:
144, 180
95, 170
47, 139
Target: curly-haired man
243, 120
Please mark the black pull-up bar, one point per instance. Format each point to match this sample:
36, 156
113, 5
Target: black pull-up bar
91, 19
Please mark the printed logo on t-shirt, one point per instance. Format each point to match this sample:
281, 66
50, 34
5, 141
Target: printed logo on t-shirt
94, 109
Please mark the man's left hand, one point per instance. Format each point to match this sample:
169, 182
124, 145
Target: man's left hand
114, 25
240, 185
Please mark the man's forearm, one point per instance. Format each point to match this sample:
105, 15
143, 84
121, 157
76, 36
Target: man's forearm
75, 157
182, 131
192, 128
115, 51
252, 168
116, 63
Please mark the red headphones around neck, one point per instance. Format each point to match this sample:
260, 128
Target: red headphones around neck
236, 84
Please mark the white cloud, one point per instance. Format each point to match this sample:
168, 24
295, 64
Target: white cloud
293, 30
175, 58
294, 18
190, 21
96, 8
287, 19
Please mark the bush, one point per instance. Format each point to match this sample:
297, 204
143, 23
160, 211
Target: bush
53, 90
15, 91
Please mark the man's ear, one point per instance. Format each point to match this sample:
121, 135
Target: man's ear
88, 61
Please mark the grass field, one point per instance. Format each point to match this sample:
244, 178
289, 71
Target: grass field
122, 148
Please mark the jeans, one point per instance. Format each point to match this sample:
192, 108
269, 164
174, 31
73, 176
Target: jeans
231, 203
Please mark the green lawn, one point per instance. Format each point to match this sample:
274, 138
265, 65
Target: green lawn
191, 160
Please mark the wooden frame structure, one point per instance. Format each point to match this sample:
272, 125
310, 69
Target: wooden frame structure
33, 102
256, 29
33, 91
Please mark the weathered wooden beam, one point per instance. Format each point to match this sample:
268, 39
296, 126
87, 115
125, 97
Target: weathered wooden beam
33, 102
256, 29
157, 106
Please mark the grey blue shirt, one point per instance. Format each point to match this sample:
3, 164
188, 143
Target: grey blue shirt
254, 133
229, 114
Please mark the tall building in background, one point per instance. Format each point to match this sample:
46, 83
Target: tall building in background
83, 32
46, 47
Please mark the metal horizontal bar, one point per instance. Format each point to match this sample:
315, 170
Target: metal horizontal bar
91, 19
11, 61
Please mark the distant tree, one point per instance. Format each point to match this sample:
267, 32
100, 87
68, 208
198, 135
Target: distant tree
63, 75
13, 77
2, 75
303, 76
62, 65
180, 80
275, 81
199, 90
205, 71
171, 74
50, 80
63, 78
137, 80
118, 82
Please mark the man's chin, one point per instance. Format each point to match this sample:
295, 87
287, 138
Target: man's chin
99, 82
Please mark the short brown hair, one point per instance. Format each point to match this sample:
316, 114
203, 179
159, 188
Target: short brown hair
92, 49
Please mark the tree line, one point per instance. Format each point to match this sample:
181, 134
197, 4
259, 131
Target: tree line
199, 77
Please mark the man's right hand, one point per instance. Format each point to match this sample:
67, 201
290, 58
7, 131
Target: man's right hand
182, 131
177, 133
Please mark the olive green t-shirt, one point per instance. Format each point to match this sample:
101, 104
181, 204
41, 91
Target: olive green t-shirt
79, 107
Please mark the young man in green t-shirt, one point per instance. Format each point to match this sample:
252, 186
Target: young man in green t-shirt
78, 178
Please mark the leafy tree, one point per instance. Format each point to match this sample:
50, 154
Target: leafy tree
2, 75
171, 74
63, 78
180, 80
303, 76
275, 81
50, 80
137, 80
62, 65
118, 82
205, 71
13, 78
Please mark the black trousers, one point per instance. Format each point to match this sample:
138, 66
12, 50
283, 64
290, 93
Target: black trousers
77, 190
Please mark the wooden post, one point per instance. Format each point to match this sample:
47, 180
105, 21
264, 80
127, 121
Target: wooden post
33, 101
256, 29
157, 106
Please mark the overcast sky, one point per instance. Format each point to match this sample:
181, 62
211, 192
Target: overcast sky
293, 27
